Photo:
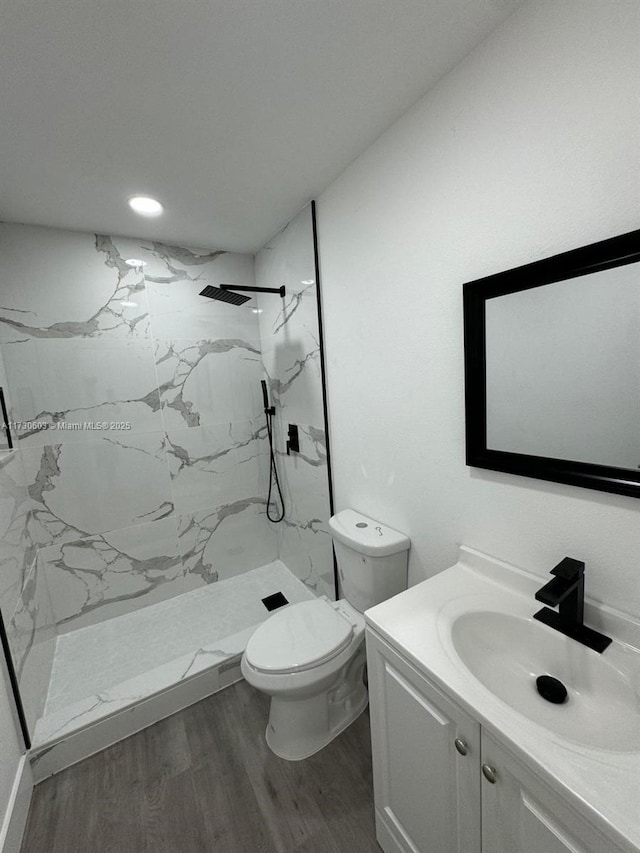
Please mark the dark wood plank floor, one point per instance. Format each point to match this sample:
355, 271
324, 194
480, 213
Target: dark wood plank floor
205, 780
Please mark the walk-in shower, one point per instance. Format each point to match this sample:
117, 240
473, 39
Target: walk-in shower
136, 534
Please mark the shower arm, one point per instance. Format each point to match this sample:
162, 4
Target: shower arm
279, 290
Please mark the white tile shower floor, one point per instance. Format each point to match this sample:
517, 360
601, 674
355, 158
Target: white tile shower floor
102, 668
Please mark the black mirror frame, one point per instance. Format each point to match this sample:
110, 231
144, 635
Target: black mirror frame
616, 251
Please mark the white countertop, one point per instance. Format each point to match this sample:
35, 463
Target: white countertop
601, 783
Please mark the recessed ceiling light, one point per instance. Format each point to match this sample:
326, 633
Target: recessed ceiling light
307, 281
145, 206
257, 310
135, 262
127, 304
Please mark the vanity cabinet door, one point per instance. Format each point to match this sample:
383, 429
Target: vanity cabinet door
427, 793
520, 814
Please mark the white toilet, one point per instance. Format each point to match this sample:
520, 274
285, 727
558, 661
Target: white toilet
309, 657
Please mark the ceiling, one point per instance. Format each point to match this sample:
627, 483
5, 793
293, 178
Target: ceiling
234, 113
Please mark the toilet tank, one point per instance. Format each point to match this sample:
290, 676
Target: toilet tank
372, 558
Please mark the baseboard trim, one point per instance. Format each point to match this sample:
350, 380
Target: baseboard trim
15, 819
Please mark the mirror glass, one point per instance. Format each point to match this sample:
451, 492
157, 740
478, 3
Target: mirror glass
563, 369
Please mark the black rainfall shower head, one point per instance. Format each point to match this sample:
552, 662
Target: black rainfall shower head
224, 295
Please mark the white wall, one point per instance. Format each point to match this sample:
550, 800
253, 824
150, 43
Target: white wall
528, 148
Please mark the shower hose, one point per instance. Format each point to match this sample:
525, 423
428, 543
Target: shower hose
269, 412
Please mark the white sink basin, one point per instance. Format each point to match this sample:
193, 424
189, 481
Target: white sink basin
506, 653
470, 631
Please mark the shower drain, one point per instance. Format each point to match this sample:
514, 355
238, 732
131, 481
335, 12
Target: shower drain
272, 602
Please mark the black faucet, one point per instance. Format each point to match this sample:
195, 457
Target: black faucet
566, 592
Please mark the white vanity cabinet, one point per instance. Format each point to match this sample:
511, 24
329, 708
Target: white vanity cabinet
427, 794
443, 785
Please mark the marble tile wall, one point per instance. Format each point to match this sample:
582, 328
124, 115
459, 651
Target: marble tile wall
31, 632
289, 331
135, 404
24, 596
16, 546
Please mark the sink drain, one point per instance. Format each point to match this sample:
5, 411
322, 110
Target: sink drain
551, 689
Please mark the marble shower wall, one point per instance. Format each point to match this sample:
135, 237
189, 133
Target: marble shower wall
24, 596
289, 331
136, 407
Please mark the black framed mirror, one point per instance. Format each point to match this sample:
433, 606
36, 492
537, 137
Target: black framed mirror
552, 368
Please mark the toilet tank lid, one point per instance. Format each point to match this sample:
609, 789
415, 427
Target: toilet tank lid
366, 535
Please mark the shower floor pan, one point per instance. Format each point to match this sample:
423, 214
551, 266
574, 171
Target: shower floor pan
178, 651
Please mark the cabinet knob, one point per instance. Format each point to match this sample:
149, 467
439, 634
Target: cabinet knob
490, 773
461, 746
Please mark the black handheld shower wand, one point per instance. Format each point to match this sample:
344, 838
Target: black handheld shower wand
269, 412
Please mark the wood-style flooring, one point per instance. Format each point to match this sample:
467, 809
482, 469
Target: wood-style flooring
205, 780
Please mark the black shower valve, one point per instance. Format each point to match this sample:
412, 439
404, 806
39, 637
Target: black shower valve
293, 444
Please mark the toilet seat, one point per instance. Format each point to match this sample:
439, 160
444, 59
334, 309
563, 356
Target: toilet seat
299, 637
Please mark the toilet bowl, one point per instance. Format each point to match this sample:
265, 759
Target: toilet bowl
310, 657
